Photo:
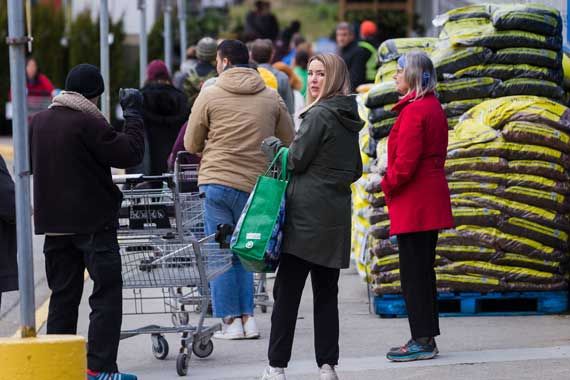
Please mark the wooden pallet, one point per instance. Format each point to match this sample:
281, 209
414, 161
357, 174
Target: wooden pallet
481, 304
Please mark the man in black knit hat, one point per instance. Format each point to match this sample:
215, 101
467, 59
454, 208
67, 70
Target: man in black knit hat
72, 149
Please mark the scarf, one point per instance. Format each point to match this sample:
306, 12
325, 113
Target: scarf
78, 102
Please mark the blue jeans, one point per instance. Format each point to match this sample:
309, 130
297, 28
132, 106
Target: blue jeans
232, 291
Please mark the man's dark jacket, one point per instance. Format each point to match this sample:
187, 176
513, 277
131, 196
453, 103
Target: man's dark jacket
71, 157
8, 262
355, 58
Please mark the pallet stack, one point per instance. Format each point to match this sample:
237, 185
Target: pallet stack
507, 154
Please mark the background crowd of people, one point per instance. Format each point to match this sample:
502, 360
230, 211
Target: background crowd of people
226, 99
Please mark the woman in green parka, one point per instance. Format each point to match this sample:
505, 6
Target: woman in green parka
324, 160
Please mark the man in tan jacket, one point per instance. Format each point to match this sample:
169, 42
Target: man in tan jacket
229, 120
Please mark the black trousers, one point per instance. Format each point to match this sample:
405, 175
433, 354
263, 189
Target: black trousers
66, 258
417, 275
287, 290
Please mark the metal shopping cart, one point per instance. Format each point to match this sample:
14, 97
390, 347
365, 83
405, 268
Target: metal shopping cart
167, 262
260, 294
190, 201
35, 104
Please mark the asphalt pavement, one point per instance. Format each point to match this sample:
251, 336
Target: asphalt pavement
472, 348
10, 308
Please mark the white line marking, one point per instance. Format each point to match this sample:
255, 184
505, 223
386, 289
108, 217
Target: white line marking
307, 367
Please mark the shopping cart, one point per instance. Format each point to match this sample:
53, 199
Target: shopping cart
34, 105
156, 271
167, 261
148, 208
260, 294
190, 212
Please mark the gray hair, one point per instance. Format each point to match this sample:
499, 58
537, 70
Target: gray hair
418, 67
345, 26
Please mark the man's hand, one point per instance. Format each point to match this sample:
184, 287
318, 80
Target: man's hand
131, 101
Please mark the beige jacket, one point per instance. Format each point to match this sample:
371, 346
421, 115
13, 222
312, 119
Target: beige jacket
229, 120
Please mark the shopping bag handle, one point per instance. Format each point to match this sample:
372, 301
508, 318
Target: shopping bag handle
283, 154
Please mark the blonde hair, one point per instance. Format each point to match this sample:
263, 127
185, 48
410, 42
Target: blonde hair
336, 81
420, 73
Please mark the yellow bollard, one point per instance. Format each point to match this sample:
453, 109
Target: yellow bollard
46, 357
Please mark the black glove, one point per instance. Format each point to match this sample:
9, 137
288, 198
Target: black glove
131, 101
270, 146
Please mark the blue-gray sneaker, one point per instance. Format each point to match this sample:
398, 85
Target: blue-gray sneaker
92, 375
413, 351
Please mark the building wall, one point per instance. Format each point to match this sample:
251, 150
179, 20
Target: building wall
117, 9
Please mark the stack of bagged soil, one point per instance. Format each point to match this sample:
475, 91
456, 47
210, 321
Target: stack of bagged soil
508, 172
508, 156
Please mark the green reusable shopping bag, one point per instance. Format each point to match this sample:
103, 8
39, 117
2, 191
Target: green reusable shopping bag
257, 237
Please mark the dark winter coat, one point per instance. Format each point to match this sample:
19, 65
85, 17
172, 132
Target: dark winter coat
324, 160
355, 58
8, 262
165, 110
415, 186
71, 155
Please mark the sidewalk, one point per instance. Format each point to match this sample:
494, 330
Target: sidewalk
471, 348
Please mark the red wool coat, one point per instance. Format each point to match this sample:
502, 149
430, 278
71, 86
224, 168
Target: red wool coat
415, 186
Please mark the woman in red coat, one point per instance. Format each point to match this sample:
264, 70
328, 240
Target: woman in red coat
36, 82
418, 198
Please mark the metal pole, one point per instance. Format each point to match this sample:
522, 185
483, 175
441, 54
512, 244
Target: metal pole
104, 43
168, 35
183, 37
17, 42
567, 43
143, 43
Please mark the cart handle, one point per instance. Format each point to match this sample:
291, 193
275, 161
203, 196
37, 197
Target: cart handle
139, 178
183, 153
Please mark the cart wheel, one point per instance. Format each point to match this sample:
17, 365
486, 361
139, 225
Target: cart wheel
182, 364
159, 347
263, 309
203, 350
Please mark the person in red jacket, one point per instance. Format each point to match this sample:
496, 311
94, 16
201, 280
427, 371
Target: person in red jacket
37, 83
418, 198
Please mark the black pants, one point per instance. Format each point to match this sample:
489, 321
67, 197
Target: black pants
67, 257
287, 291
417, 257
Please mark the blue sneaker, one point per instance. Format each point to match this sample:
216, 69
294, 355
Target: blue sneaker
413, 351
92, 375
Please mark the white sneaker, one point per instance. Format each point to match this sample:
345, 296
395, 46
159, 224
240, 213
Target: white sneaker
273, 373
233, 331
327, 372
250, 329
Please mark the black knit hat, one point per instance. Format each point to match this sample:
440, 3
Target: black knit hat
85, 79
